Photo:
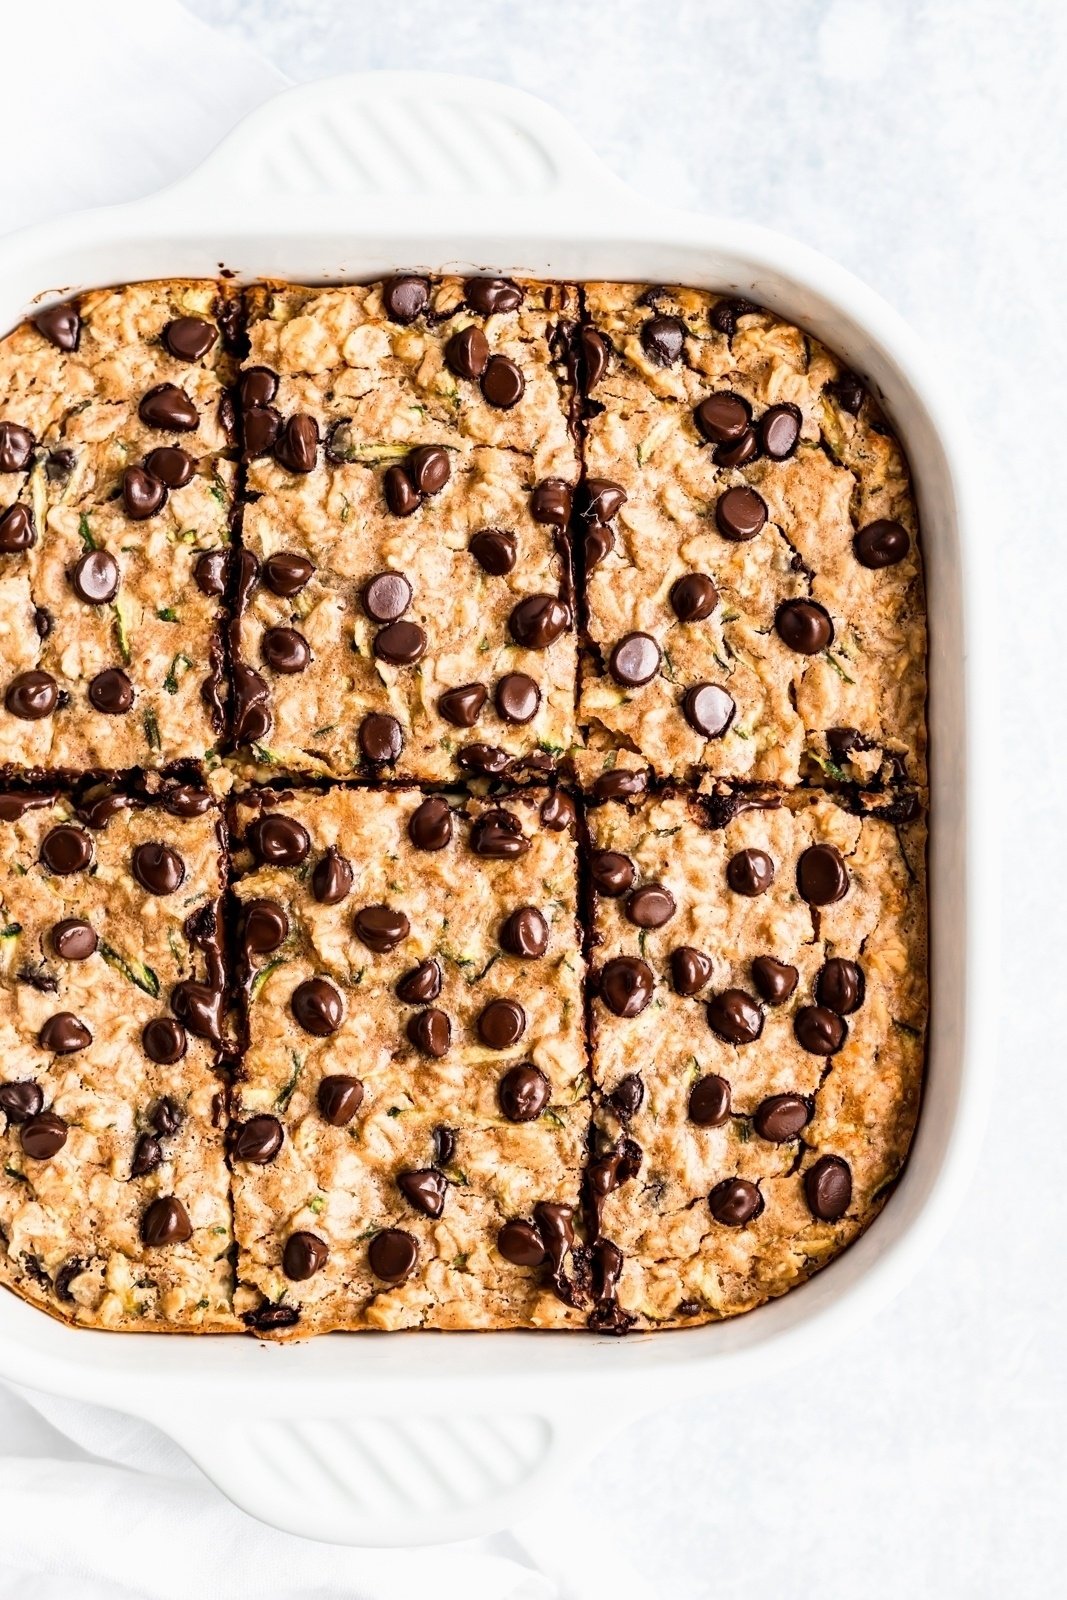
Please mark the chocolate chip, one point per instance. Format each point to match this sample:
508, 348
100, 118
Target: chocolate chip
430, 1031
381, 738
847, 389
430, 827
625, 784
497, 835
520, 1243
708, 709
822, 876
260, 428
387, 596
840, 986
467, 352
401, 495
599, 542
828, 1188
779, 430
331, 881
392, 1253
142, 495
628, 1095
501, 1024
425, 1189
492, 296
421, 985
20, 1101
740, 452
663, 339
775, 980
612, 873
43, 1136
400, 643
723, 417
266, 1318
691, 969
285, 650
186, 800
735, 1016
405, 297
740, 513
16, 447
635, 660
258, 1140
444, 1145
626, 985
317, 1007
494, 551
43, 621
164, 1040
339, 1097
73, 939
651, 906
17, 530
381, 928
551, 502
819, 1031
523, 1092
694, 597
724, 315
169, 408
158, 868
782, 1117
166, 1116
297, 446
604, 499
734, 1202
502, 384
750, 872
210, 572
96, 577
278, 840
189, 338
804, 626
595, 351
303, 1256
517, 698
170, 465
709, 1101
165, 1221
285, 573
881, 544
259, 385
199, 1007
147, 1156
66, 849
266, 927
484, 760
428, 468
61, 325
557, 812
525, 933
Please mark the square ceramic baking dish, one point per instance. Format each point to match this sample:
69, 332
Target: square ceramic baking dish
418, 1437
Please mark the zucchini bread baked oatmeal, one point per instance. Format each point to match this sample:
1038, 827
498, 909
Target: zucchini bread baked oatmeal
462, 843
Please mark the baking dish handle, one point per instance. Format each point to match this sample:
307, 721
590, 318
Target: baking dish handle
409, 1479
393, 140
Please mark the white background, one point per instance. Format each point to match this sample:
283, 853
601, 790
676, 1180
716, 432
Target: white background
924, 146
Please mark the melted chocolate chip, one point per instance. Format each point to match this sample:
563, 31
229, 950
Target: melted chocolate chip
317, 1007
189, 338
392, 1254
492, 296
21, 1100
166, 1116
708, 709
444, 1145
147, 1156
95, 578
258, 386
502, 383
604, 499
210, 572
663, 339
164, 1040
723, 417
381, 738
494, 551
266, 927
32, 695
199, 1007
735, 1016
881, 544
43, 1136
595, 351
551, 502
538, 621
170, 409
43, 621
61, 325
828, 1188
425, 1189
332, 879
401, 495
775, 980
804, 626
165, 1221
484, 760
339, 1097
750, 872
691, 970
725, 313
525, 933
497, 835
258, 1140
285, 650
16, 447
421, 985
635, 660
734, 1202
520, 1243
278, 840
462, 707
625, 784
628, 1096
297, 445
430, 827
405, 297
612, 873
740, 513
523, 1092
782, 1117
467, 353
517, 698
428, 468
73, 939
557, 812
626, 985
400, 643
651, 906
780, 430
822, 876
158, 868
819, 1031
709, 1101
260, 427
848, 391
840, 986
66, 849
740, 453
694, 597
17, 530
387, 596
286, 573
142, 495
430, 1031
303, 1256
381, 928
501, 1024
111, 692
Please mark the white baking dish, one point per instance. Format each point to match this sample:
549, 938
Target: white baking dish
410, 1438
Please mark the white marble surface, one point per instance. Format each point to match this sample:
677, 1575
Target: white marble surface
923, 145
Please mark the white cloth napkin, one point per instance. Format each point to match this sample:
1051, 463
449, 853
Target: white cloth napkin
112, 100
